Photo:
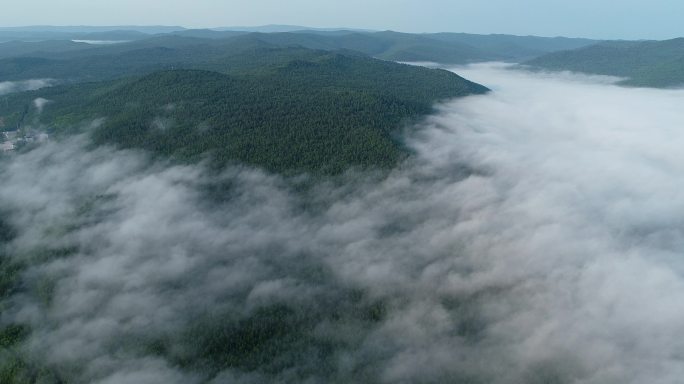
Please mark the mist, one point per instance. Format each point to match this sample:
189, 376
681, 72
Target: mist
535, 236
25, 85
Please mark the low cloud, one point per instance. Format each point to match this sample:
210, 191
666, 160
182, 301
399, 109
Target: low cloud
534, 237
26, 85
40, 103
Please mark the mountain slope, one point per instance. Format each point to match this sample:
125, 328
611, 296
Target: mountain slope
510, 47
447, 48
135, 58
385, 45
40, 48
647, 63
287, 110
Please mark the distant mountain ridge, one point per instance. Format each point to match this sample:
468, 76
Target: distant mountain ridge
273, 28
149, 29
642, 63
446, 48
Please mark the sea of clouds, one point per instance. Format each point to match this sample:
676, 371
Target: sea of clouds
536, 236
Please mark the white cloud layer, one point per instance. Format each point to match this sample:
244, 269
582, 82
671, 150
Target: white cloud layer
535, 237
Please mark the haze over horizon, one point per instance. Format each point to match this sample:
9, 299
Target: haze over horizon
659, 19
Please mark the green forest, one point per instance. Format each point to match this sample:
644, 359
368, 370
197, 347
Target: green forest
658, 64
285, 110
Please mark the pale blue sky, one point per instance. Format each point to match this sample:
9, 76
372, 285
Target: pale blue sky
627, 19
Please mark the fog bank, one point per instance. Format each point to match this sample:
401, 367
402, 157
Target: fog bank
534, 237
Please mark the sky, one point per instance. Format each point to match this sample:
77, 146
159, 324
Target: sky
604, 19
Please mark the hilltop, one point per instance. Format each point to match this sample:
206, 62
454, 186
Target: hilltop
286, 110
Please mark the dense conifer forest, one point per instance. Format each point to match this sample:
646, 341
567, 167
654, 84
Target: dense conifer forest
286, 110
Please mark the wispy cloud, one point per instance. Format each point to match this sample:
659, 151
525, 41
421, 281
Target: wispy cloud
26, 85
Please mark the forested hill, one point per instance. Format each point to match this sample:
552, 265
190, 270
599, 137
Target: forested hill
645, 63
286, 110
